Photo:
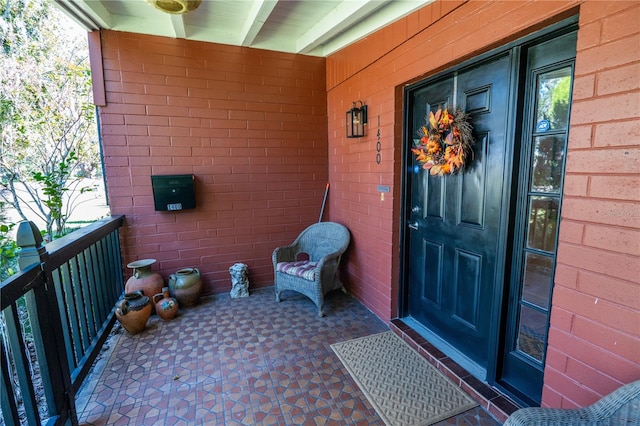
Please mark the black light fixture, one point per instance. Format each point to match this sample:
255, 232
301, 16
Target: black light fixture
356, 120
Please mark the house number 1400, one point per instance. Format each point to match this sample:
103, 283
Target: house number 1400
378, 145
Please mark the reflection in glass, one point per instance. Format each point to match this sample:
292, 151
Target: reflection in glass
532, 332
552, 99
543, 222
548, 158
538, 271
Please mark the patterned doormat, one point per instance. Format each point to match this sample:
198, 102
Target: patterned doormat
403, 387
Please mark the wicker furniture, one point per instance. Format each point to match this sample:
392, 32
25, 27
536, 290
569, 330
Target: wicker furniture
621, 407
314, 277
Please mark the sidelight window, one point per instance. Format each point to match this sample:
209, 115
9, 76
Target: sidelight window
548, 138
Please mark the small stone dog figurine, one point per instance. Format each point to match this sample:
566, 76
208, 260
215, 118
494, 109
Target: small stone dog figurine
239, 280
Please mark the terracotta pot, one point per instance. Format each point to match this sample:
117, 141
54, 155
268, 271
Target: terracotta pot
133, 311
166, 306
186, 286
144, 279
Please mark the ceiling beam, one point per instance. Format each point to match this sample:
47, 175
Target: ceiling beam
359, 30
257, 16
344, 15
177, 22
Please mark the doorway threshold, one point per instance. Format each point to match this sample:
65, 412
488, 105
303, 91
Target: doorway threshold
459, 358
461, 371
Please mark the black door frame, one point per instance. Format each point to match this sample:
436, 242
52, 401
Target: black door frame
502, 275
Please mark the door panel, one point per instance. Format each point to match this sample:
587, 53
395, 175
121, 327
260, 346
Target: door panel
467, 270
433, 272
455, 220
472, 194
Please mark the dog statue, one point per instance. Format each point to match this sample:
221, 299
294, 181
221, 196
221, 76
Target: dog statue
239, 280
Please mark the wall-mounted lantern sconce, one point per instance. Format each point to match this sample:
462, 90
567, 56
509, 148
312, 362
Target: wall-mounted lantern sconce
356, 120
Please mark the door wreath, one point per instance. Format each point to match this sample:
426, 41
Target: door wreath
445, 143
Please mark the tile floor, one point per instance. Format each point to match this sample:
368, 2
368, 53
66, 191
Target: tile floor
245, 361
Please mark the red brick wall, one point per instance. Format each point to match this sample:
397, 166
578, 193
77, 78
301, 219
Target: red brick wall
595, 332
249, 124
595, 326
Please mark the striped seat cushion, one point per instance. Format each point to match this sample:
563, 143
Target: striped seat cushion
302, 268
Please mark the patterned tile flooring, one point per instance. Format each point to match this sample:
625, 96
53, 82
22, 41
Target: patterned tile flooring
249, 361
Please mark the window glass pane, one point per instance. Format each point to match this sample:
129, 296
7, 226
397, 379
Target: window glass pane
537, 279
532, 333
548, 158
552, 100
543, 221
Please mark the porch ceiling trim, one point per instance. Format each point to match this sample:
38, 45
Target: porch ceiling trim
317, 28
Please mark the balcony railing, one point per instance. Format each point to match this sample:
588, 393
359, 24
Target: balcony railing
56, 314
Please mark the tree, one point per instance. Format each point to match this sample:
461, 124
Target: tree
8, 248
48, 135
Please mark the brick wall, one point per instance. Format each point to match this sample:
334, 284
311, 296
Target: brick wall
249, 124
595, 332
595, 324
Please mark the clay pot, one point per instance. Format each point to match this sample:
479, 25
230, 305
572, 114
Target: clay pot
144, 279
186, 286
133, 311
166, 306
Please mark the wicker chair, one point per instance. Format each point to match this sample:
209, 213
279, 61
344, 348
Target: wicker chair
324, 244
621, 407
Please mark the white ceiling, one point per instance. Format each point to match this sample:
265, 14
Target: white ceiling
312, 27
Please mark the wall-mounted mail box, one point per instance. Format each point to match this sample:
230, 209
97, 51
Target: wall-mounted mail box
173, 192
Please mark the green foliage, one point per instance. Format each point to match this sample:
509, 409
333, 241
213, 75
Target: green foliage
54, 187
48, 134
560, 101
22, 25
8, 251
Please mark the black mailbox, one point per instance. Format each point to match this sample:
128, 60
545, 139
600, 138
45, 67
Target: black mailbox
173, 192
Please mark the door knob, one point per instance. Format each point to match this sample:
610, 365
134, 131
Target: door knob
416, 209
413, 225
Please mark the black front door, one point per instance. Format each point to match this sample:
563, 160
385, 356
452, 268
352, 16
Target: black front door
455, 221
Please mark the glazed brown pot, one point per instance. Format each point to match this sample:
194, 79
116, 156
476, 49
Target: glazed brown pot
166, 306
144, 279
133, 311
186, 286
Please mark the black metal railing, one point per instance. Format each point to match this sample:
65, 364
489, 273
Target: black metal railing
56, 314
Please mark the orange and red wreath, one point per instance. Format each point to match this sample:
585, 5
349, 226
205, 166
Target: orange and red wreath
445, 143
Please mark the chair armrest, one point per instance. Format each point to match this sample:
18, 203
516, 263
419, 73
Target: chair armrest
616, 408
285, 254
327, 267
546, 416
328, 259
